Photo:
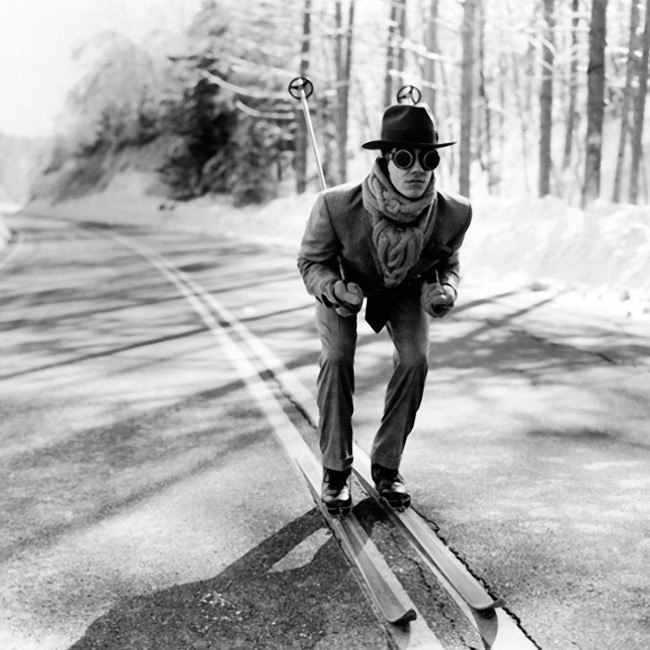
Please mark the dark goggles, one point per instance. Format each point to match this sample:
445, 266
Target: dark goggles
405, 158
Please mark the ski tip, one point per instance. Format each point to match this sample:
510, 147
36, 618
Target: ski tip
486, 608
408, 616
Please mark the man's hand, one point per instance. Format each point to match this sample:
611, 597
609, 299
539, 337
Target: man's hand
437, 299
348, 298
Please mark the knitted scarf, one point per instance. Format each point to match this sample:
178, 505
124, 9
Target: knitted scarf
398, 223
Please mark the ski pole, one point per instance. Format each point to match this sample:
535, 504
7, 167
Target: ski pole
301, 88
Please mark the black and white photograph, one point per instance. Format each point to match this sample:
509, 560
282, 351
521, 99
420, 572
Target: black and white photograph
324, 324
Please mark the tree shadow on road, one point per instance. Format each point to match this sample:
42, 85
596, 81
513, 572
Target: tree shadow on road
503, 349
251, 605
493, 347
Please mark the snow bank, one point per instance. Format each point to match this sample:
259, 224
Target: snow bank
126, 200
604, 250
5, 233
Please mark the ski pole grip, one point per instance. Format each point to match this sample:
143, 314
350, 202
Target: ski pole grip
301, 85
409, 93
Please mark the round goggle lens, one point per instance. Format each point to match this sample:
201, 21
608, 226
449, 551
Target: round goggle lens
429, 160
403, 159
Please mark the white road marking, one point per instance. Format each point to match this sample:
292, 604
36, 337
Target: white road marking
510, 636
417, 634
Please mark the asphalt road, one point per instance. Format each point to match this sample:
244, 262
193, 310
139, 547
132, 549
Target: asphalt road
147, 504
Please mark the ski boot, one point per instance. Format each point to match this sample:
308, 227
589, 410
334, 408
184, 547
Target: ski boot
391, 488
335, 492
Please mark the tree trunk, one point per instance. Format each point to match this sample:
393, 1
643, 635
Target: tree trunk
486, 138
451, 155
401, 16
523, 112
431, 47
390, 54
595, 101
573, 85
343, 73
467, 97
338, 42
324, 118
546, 99
300, 155
503, 76
341, 108
632, 66
639, 109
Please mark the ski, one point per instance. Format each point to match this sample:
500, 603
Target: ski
364, 555
433, 550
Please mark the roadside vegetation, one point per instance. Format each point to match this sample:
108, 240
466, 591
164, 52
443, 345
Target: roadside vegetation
542, 98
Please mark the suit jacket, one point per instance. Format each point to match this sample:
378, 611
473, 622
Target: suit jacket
338, 239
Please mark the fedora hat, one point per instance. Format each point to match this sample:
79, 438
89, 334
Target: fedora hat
407, 125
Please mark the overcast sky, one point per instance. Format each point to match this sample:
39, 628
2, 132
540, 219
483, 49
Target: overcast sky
37, 38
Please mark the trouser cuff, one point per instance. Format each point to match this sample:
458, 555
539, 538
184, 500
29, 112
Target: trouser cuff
390, 462
338, 464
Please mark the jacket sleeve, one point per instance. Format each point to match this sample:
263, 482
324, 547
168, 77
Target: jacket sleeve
449, 269
317, 259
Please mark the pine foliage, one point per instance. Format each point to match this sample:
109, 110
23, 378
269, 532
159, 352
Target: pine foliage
225, 144
198, 160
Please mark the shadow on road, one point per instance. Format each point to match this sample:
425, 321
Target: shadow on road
250, 605
105, 353
93, 461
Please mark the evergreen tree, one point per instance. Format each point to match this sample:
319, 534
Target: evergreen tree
256, 153
228, 137
204, 123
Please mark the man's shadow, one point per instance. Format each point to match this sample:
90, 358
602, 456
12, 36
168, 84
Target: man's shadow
269, 598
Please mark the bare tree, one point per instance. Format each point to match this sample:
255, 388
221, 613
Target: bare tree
390, 53
546, 99
343, 60
300, 156
432, 48
595, 101
522, 112
573, 84
503, 100
631, 69
395, 49
341, 87
639, 109
467, 96
484, 138
401, 51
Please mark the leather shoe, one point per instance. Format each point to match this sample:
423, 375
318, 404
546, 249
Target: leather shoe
335, 491
390, 485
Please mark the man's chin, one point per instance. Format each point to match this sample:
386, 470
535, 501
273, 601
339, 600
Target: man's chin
414, 191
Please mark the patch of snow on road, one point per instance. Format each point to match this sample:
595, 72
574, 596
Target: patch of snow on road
5, 233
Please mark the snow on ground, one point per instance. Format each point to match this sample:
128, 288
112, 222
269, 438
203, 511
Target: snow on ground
5, 234
602, 254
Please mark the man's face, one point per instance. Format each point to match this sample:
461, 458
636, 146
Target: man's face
411, 182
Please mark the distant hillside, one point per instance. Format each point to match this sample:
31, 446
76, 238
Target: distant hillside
21, 160
68, 176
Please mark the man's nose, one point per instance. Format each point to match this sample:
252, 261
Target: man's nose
416, 163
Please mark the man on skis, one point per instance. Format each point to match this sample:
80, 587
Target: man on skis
392, 239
